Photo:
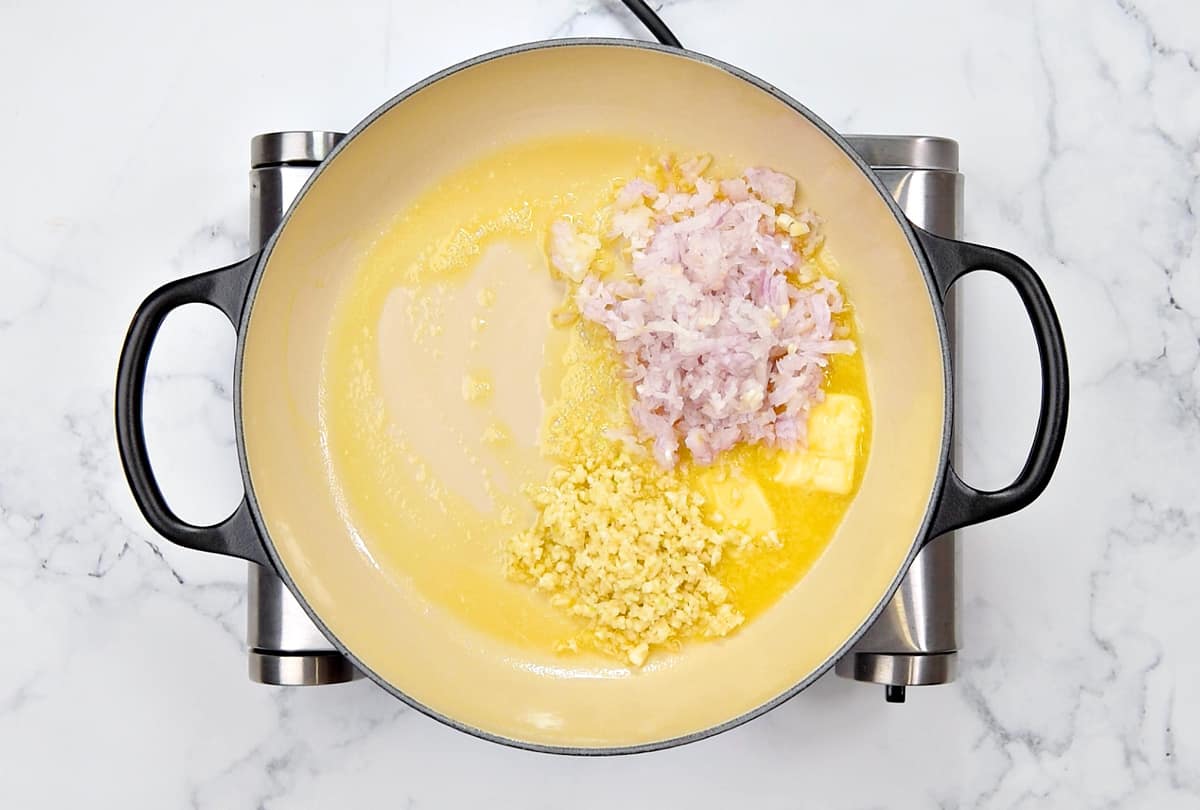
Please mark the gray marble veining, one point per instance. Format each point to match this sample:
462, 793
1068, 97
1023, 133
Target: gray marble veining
123, 679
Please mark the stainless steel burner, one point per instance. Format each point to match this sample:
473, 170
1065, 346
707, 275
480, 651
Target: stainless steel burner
914, 642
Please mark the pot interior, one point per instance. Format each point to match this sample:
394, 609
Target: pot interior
476, 678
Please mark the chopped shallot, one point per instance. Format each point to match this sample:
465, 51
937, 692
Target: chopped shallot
721, 346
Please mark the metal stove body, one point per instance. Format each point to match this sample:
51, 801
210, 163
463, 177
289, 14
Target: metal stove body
913, 642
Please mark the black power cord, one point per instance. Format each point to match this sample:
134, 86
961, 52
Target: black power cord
653, 22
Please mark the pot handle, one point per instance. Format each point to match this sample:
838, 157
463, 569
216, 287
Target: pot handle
960, 504
224, 289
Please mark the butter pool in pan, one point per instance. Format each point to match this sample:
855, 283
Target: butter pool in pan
434, 476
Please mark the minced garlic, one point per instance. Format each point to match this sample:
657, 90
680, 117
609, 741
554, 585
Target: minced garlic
623, 544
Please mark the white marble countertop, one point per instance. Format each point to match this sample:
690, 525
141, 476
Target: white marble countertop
122, 679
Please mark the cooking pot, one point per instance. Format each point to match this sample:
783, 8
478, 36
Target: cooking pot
281, 299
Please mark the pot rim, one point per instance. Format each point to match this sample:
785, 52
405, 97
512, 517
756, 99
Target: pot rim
947, 382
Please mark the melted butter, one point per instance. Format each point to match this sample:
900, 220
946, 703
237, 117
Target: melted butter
456, 297
805, 519
439, 366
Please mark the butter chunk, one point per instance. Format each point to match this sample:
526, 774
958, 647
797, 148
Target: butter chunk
828, 463
739, 501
